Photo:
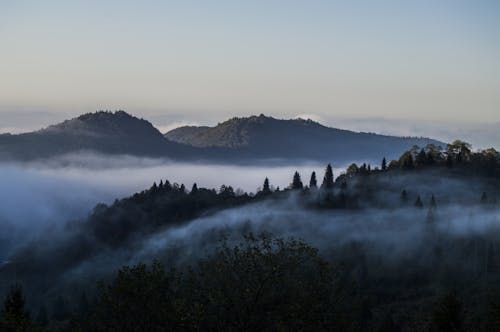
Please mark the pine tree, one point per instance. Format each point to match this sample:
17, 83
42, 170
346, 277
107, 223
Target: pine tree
313, 183
328, 178
14, 303
194, 189
167, 186
384, 164
418, 202
15, 318
433, 202
297, 182
266, 189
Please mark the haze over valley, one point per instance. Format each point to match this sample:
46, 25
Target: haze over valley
217, 166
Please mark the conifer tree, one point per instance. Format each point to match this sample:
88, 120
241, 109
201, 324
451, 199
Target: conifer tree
14, 303
194, 189
418, 202
313, 183
433, 202
484, 198
384, 164
265, 187
328, 178
297, 182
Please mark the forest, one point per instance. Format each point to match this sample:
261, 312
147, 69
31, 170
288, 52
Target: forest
411, 244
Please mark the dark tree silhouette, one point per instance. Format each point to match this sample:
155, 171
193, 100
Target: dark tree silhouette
384, 164
266, 189
297, 182
194, 189
14, 303
404, 197
433, 203
328, 179
418, 202
14, 317
313, 183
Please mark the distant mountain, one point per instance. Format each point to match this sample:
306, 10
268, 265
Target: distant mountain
267, 137
238, 140
105, 132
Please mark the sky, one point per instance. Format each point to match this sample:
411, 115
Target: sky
203, 61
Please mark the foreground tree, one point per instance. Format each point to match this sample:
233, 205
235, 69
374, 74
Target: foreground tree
261, 284
264, 284
15, 318
138, 299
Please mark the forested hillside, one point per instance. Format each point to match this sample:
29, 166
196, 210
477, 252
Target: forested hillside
407, 245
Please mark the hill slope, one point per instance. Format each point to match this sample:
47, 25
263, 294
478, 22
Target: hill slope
238, 140
267, 137
105, 132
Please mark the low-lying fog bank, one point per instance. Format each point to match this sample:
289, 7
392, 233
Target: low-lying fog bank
45, 194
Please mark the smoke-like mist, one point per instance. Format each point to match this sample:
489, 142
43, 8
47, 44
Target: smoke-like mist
384, 227
39, 195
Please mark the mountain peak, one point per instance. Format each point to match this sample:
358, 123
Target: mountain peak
105, 123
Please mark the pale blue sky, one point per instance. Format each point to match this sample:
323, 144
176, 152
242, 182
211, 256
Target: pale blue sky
422, 60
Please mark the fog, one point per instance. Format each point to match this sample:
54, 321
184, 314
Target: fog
46, 194
36, 196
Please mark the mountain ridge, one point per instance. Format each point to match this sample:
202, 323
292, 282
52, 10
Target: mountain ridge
306, 137
237, 140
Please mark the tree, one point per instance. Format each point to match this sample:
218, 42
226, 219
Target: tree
433, 204
138, 299
384, 164
328, 179
418, 202
448, 315
14, 303
264, 283
297, 182
194, 189
406, 160
313, 183
352, 170
421, 159
459, 150
15, 317
404, 197
266, 189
